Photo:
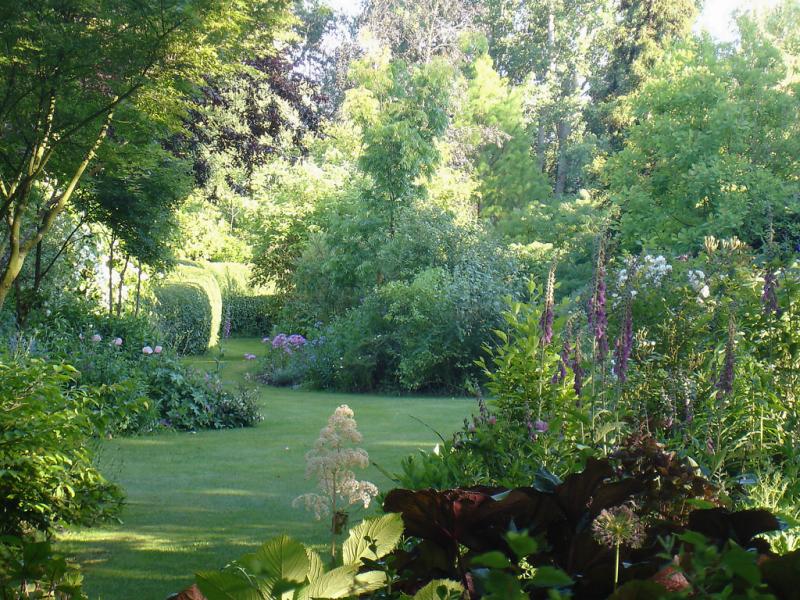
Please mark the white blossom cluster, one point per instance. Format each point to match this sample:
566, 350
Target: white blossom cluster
331, 462
655, 268
697, 279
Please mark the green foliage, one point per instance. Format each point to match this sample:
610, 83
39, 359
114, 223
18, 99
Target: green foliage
283, 568
495, 127
189, 308
47, 473
29, 568
712, 150
88, 66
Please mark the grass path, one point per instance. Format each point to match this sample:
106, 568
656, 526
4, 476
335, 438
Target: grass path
196, 501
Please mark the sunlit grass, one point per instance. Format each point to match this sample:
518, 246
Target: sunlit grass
198, 500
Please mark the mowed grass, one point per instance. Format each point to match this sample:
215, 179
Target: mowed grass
197, 500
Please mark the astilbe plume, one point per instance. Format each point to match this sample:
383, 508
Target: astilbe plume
331, 462
726, 376
546, 320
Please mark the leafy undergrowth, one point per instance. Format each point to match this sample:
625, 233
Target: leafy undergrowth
202, 499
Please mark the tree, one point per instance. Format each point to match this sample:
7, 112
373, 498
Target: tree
492, 120
712, 149
406, 111
418, 31
69, 67
641, 34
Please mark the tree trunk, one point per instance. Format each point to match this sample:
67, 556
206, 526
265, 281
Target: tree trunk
15, 204
111, 277
121, 283
138, 287
561, 172
540, 145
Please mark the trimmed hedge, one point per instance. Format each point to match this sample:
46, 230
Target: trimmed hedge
233, 278
251, 315
189, 308
252, 310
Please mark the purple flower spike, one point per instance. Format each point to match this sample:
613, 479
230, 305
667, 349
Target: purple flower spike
624, 345
598, 319
726, 377
541, 426
546, 320
577, 370
563, 362
769, 297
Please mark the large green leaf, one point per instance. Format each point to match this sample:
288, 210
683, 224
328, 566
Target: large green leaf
281, 558
228, 585
373, 538
440, 589
315, 566
368, 582
336, 583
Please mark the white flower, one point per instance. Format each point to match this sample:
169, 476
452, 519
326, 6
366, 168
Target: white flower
696, 279
147, 350
705, 292
118, 341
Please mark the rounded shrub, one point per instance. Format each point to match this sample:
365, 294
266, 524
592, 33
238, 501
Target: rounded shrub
189, 308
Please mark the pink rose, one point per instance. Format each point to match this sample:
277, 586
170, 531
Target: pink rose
158, 349
147, 350
97, 337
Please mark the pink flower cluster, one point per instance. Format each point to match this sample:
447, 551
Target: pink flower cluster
288, 343
117, 342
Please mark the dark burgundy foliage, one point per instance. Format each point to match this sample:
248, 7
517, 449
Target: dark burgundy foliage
262, 137
454, 526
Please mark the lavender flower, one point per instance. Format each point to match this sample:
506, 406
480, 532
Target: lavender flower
226, 329
296, 340
540, 426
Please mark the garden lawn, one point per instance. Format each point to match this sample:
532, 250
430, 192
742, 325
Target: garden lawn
197, 500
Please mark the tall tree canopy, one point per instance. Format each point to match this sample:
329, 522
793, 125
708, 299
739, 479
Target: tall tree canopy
69, 67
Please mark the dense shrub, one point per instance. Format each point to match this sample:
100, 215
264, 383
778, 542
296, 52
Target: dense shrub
47, 476
30, 568
137, 384
232, 278
249, 314
189, 308
189, 400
